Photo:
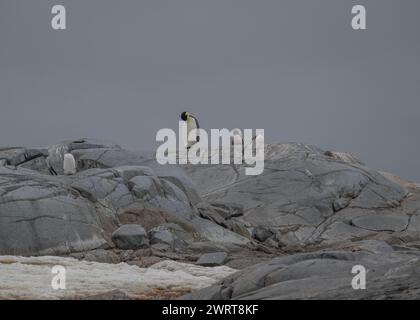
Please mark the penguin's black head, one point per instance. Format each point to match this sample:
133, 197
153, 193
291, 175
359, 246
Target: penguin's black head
184, 116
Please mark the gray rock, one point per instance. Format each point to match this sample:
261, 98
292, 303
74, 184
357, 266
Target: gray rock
324, 275
145, 186
160, 235
228, 210
208, 212
272, 242
161, 247
44, 214
340, 231
130, 236
305, 190
261, 233
224, 215
287, 239
34, 159
129, 172
164, 234
305, 197
41, 215
56, 152
238, 227
111, 295
212, 259
97, 255
382, 222
210, 246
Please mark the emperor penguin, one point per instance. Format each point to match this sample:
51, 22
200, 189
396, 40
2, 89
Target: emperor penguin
191, 124
69, 164
237, 138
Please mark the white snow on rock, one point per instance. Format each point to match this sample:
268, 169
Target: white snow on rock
31, 278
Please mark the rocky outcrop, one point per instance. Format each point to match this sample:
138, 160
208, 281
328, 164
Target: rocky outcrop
334, 210
41, 214
295, 230
212, 259
44, 214
130, 236
391, 273
304, 197
308, 197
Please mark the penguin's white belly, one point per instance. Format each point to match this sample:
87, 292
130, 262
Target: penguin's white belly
69, 164
191, 133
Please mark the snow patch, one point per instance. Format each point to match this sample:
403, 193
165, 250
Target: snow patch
30, 278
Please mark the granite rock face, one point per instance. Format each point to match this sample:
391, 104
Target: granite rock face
334, 210
307, 196
45, 214
297, 229
130, 236
304, 197
40, 214
212, 259
327, 274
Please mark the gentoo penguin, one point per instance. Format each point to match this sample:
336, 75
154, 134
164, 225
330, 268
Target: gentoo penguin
69, 164
192, 124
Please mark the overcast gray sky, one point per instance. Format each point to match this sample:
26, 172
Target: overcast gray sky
124, 69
